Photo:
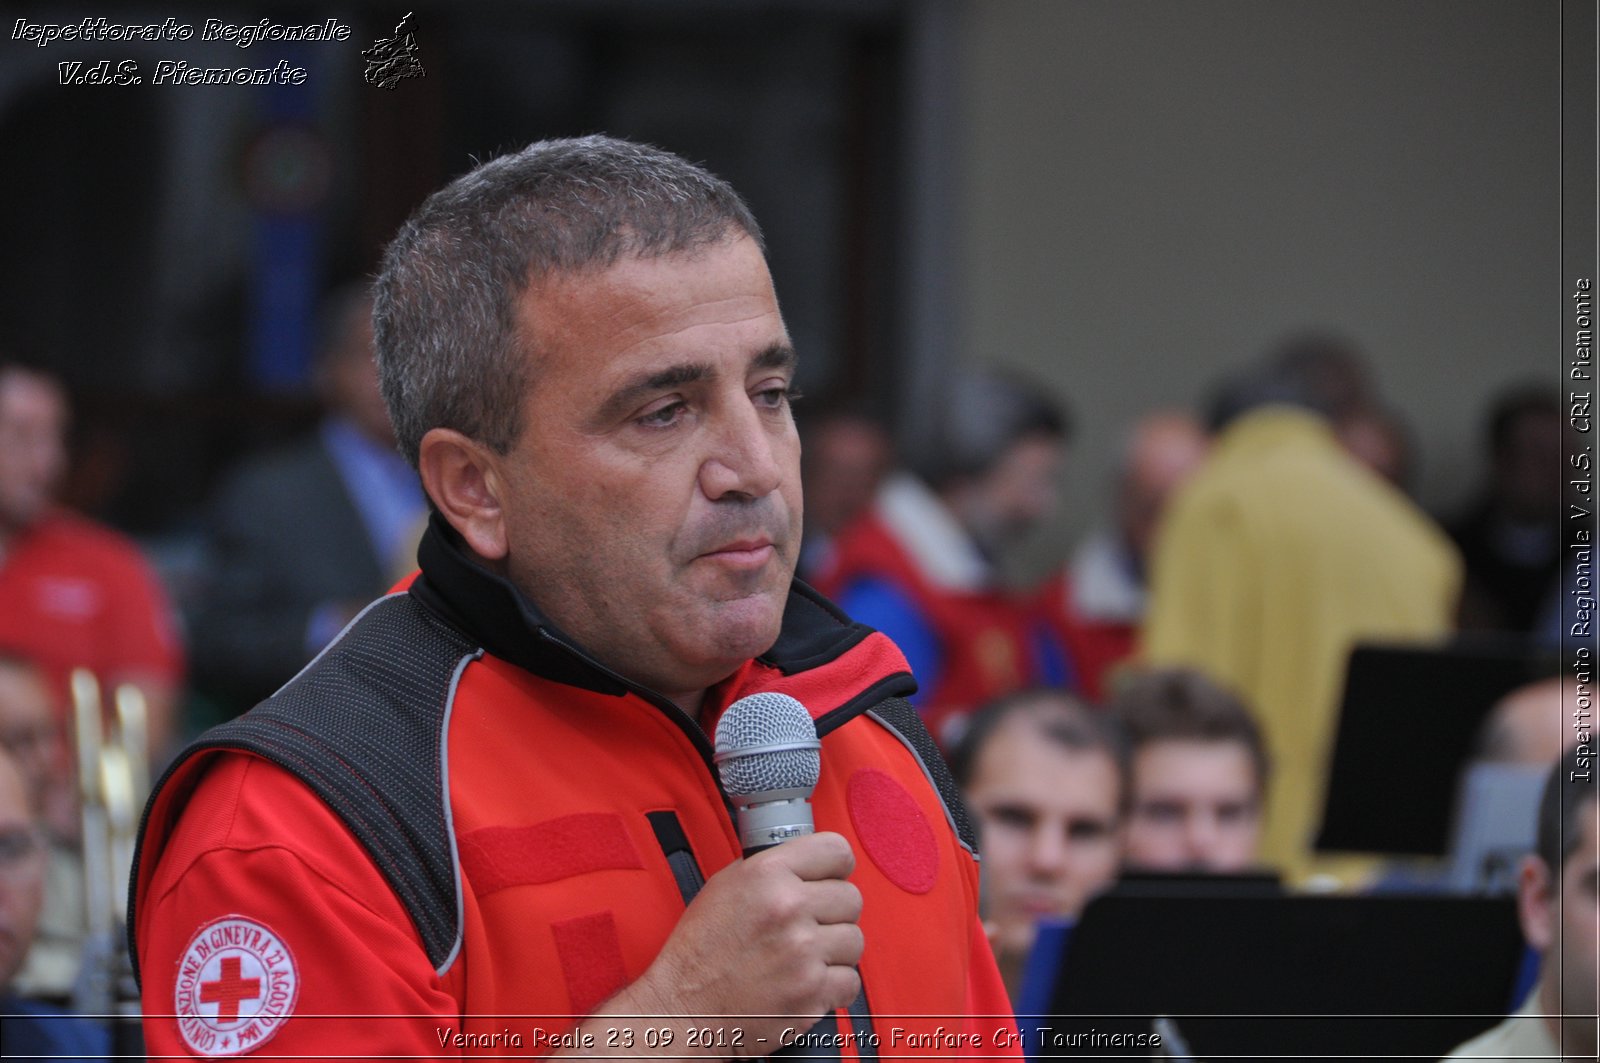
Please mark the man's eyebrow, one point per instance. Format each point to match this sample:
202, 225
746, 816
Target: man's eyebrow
636, 389
777, 356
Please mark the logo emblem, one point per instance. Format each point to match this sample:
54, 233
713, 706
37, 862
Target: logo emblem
237, 983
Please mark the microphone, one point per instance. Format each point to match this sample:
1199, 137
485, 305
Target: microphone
769, 757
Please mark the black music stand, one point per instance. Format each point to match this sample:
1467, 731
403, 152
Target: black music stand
1283, 977
1407, 723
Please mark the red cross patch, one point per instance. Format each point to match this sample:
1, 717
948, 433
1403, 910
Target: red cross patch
237, 983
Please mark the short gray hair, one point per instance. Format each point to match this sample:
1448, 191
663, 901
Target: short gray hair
449, 353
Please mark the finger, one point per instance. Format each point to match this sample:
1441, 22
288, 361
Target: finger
841, 985
833, 901
841, 944
814, 857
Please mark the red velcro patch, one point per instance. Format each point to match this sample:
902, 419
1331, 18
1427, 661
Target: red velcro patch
591, 959
496, 858
893, 830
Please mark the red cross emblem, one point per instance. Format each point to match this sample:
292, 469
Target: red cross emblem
236, 986
227, 991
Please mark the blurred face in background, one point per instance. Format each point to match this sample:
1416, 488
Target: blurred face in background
1561, 920
1003, 505
1165, 451
28, 730
348, 376
33, 450
1047, 821
22, 866
844, 460
1196, 806
1524, 485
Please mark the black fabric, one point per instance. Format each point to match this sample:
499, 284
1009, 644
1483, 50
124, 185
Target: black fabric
509, 625
894, 686
362, 726
861, 1024
900, 716
680, 857
814, 632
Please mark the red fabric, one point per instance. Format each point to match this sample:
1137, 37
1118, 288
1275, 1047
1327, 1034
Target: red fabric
819, 690
893, 830
591, 959
497, 858
1097, 647
285, 862
74, 594
525, 752
983, 635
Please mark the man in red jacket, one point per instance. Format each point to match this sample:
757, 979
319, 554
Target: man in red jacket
74, 593
487, 817
922, 564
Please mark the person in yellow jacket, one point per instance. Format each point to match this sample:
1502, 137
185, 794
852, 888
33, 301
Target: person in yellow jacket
1278, 557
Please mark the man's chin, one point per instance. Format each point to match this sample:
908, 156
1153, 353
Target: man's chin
743, 627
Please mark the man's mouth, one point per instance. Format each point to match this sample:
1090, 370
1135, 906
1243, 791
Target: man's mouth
743, 552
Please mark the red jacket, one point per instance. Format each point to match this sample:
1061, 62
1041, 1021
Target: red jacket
985, 636
497, 845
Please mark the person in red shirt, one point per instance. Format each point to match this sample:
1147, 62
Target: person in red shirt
487, 818
73, 593
922, 564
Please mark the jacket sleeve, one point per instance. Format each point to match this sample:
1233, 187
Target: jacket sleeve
270, 932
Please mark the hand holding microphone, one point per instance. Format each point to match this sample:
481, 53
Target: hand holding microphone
771, 941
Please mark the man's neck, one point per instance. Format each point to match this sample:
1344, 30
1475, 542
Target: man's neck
691, 704
1574, 1034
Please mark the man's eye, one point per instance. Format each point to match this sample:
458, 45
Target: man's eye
1087, 829
1161, 812
663, 416
1234, 813
776, 395
1011, 816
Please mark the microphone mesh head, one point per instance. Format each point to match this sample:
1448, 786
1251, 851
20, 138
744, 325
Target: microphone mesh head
763, 720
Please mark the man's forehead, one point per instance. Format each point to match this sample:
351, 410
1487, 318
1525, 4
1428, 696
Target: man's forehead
1212, 760
650, 276
1186, 746
1026, 755
622, 302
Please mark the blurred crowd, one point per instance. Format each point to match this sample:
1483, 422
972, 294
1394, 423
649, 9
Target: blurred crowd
1165, 703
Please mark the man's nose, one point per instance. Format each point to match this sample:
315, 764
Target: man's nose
1047, 849
1200, 837
743, 456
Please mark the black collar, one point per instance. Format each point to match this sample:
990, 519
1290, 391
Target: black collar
494, 614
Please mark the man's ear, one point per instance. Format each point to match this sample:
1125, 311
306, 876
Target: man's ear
462, 477
1536, 903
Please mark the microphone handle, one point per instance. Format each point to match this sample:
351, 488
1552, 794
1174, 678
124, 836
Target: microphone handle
821, 1042
764, 824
